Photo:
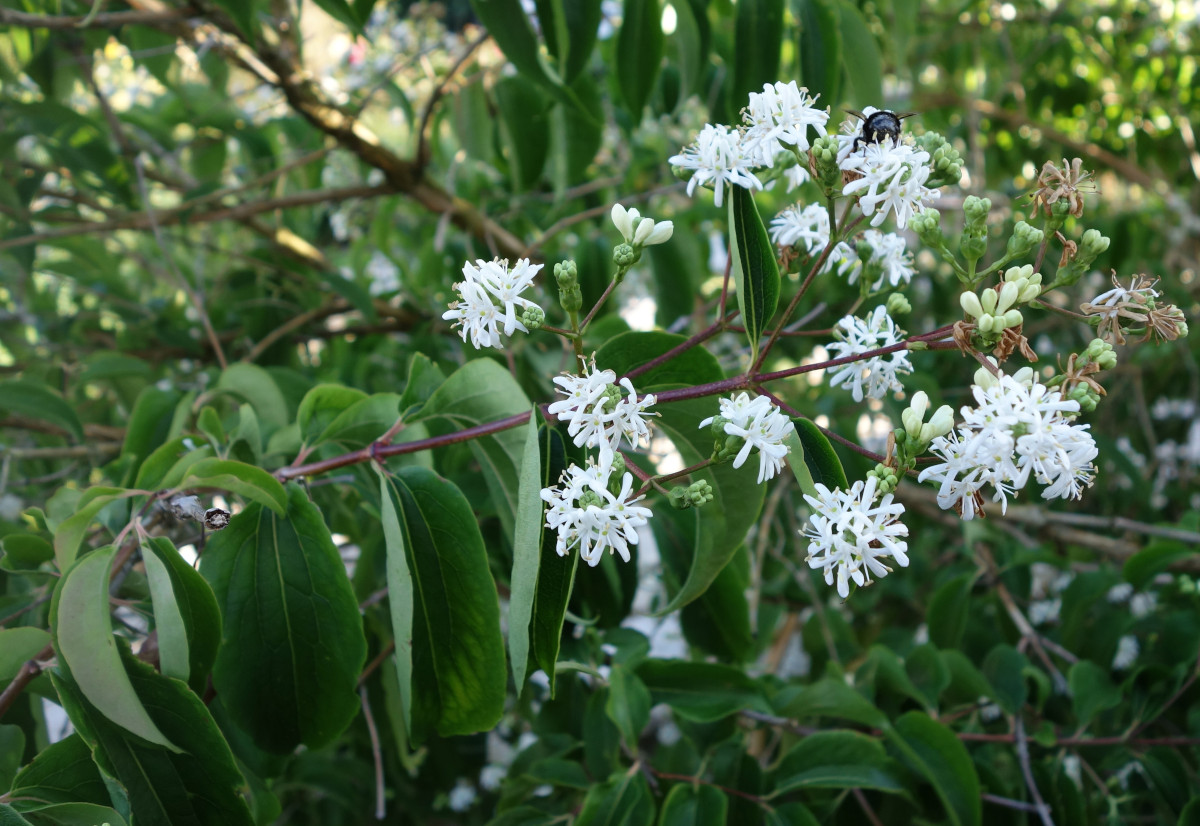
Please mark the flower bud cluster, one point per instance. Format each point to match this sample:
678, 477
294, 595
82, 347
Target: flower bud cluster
945, 163
995, 310
569, 295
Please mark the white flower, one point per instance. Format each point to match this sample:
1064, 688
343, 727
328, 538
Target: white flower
1019, 429
491, 776
598, 414
850, 536
809, 225
1142, 604
462, 796
893, 178
1044, 611
384, 274
762, 426
717, 157
877, 373
890, 254
781, 114
1119, 593
639, 231
589, 517
1127, 653
486, 282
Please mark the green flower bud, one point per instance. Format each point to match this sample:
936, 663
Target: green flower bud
976, 210
1090, 246
1102, 353
973, 243
944, 161
533, 317
1024, 238
625, 256
927, 225
897, 304
618, 470
588, 498
886, 476
700, 493
824, 163
566, 273
1087, 398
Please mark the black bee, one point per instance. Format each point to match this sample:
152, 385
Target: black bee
877, 126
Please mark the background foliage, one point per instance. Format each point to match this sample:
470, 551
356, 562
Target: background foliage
228, 231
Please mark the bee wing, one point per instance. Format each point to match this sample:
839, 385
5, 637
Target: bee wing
856, 113
904, 115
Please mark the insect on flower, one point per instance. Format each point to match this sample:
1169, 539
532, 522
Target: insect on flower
880, 124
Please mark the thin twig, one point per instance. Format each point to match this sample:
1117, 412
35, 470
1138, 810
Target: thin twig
1022, 749
110, 20
376, 754
1008, 802
438, 92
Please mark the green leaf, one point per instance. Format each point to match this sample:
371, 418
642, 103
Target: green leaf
836, 760
639, 53
509, 26
197, 785
755, 271
524, 128
928, 673
701, 692
821, 463
340, 10
238, 477
37, 401
18, 646
293, 643
1003, 668
149, 423
628, 704
527, 553
479, 392
185, 614
718, 621
689, 805
447, 599
244, 15
322, 406
864, 66
758, 39
24, 552
625, 800
820, 47
933, 751
829, 697
84, 642
1092, 690
255, 385
363, 422
559, 772
967, 684
690, 40
946, 616
717, 530
63, 772
570, 30
70, 533
166, 465
1154, 559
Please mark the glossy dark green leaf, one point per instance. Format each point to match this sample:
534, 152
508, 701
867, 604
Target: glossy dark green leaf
483, 391
718, 529
948, 609
363, 422
702, 692
820, 47
830, 697
1154, 559
197, 785
510, 27
928, 673
1092, 690
821, 462
341, 11
255, 385
755, 271
718, 622
639, 53
149, 424
933, 751
967, 684
560, 772
628, 704
886, 673
690, 43
244, 15
63, 772
758, 39
445, 610
18, 646
524, 129
249, 481
527, 553
84, 641
570, 30
24, 552
625, 800
689, 805
186, 616
836, 760
66, 814
322, 406
70, 533
1003, 668
864, 65
293, 642
37, 401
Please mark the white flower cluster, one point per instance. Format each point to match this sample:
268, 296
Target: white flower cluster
588, 516
638, 231
1018, 429
874, 376
893, 179
598, 414
850, 535
762, 426
477, 314
889, 255
795, 224
776, 119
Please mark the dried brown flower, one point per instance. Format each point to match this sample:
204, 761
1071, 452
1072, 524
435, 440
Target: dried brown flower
1133, 303
1069, 181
